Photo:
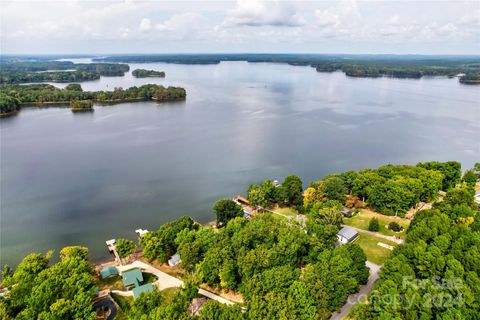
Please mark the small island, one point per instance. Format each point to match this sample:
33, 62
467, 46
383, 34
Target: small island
143, 73
81, 106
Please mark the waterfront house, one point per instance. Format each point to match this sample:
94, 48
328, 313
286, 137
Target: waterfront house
132, 277
346, 235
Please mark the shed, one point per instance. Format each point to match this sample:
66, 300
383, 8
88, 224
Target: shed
346, 235
174, 260
108, 271
132, 277
137, 291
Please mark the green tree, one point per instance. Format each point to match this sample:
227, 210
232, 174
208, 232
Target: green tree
334, 189
226, 209
470, 178
125, 247
290, 192
263, 195
373, 225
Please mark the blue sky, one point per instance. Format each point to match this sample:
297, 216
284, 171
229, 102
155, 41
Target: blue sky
344, 26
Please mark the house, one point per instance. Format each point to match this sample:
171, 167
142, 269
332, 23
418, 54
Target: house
137, 291
108, 272
132, 277
174, 260
346, 235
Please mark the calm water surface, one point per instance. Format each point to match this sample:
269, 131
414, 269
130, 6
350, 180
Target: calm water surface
71, 179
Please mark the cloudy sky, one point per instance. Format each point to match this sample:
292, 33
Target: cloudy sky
343, 26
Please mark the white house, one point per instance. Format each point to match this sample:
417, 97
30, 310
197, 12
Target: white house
477, 197
346, 235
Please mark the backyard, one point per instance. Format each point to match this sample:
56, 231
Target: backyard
362, 219
373, 251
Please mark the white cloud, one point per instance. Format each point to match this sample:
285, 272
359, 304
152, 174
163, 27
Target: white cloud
244, 25
256, 13
145, 24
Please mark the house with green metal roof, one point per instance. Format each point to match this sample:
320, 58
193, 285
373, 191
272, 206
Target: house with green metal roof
137, 291
132, 277
108, 272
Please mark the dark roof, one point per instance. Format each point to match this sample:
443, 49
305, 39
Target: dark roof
348, 233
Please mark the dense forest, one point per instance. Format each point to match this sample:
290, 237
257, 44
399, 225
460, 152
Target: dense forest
40, 290
286, 268
48, 94
436, 273
57, 71
142, 73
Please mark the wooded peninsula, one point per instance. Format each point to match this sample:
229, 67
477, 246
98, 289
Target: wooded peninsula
13, 97
57, 71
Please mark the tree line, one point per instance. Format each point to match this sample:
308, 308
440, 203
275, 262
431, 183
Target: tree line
11, 96
57, 71
390, 189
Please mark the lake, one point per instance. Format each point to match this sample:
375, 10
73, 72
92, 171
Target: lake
81, 179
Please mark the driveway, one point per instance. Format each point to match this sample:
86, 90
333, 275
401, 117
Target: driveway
362, 293
378, 235
164, 281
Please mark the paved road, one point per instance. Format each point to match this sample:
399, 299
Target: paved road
108, 304
378, 235
363, 292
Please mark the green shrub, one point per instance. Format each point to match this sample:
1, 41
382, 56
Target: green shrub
374, 225
394, 226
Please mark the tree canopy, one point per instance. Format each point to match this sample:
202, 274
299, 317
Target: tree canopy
61, 291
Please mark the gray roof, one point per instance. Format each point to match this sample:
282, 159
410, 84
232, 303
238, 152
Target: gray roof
348, 233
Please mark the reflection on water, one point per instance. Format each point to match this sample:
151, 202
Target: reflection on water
85, 178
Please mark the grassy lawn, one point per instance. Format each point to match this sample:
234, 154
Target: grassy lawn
362, 219
373, 251
286, 211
